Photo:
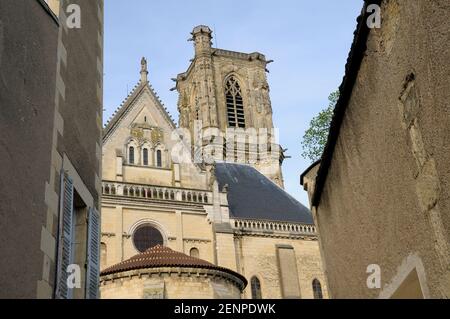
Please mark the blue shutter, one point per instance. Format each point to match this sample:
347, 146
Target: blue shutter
93, 255
65, 255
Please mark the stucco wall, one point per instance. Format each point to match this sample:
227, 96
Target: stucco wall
28, 41
376, 207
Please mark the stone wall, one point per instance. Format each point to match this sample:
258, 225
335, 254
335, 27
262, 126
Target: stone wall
182, 230
259, 257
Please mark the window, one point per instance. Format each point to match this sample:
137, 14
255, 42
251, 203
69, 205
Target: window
131, 155
194, 253
256, 288
235, 104
158, 158
146, 237
79, 243
317, 289
145, 156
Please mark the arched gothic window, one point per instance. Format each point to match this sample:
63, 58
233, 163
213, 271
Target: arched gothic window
194, 253
145, 156
317, 289
158, 158
256, 288
235, 103
131, 155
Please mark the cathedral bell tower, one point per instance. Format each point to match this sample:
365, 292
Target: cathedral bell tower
225, 91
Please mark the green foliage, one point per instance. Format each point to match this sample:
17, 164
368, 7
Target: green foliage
316, 136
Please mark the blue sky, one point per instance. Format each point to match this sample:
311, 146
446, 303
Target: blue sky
309, 41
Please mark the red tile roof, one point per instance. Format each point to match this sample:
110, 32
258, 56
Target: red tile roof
160, 257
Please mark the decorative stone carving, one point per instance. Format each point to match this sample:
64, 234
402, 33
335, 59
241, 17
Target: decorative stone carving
157, 135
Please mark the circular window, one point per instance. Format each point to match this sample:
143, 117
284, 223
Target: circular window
146, 237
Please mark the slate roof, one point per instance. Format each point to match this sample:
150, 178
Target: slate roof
162, 257
251, 195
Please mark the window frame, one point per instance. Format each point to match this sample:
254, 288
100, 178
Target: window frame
317, 289
150, 225
258, 295
131, 155
145, 157
234, 107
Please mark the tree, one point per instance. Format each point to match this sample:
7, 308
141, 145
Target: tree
316, 136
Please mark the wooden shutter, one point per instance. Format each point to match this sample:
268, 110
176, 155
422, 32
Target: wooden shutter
93, 255
65, 255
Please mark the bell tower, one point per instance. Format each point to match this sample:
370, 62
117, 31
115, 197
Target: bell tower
227, 92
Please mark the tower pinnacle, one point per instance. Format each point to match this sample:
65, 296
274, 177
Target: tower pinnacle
202, 37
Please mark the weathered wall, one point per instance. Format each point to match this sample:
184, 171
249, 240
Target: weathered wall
387, 192
81, 106
28, 40
51, 102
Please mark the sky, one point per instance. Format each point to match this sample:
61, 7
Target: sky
308, 40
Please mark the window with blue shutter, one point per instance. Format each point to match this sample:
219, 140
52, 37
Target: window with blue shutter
93, 255
65, 253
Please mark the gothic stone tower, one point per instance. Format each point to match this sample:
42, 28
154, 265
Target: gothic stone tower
227, 92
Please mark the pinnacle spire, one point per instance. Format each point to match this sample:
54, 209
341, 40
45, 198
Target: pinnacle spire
144, 70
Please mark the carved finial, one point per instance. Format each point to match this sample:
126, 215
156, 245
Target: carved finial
144, 70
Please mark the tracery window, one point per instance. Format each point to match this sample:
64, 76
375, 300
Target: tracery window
235, 103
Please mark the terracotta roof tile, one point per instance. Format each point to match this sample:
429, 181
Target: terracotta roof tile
159, 257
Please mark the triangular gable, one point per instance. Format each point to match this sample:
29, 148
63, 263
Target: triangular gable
129, 102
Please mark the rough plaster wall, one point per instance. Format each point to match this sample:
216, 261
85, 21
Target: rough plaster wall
369, 212
28, 40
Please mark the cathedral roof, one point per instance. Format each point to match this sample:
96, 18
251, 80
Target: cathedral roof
251, 195
162, 257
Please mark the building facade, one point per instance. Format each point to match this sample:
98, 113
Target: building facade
380, 195
51, 125
169, 185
